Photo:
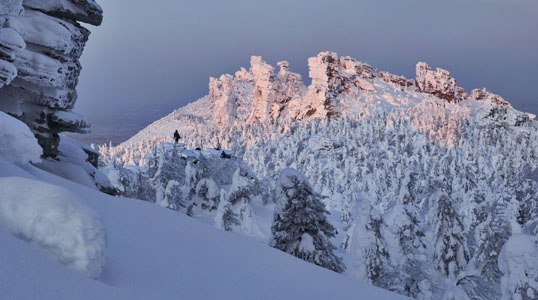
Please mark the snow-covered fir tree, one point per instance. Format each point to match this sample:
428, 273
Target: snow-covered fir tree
300, 225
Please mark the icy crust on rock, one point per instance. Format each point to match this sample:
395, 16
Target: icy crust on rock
86, 11
256, 95
56, 220
438, 83
17, 143
40, 47
11, 7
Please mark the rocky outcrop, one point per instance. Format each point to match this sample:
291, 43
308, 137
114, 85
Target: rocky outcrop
264, 89
438, 83
485, 95
41, 42
256, 95
289, 87
399, 80
220, 90
332, 79
340, 87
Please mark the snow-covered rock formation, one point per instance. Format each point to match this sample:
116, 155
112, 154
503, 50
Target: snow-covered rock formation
41, 42
257, 95
438, 83
425, 182
40, 46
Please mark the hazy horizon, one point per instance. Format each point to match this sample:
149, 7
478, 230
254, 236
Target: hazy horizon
146, 60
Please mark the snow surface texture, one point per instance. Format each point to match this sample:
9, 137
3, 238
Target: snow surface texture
446, 177
56, 220
17, 142
211, 185
41, 42
519, 263
155, 253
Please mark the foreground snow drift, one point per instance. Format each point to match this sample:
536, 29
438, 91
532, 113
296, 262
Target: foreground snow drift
17, 142
156, 253
56, 220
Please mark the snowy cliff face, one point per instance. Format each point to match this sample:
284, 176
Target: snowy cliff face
40, 46
425, 183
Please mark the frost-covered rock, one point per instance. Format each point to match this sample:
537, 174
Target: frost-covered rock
86, 11
264, 90
256, 95
438, 83
40, 47
17, 143
55, 220
11, 7
485, 95
399, 80
334, 80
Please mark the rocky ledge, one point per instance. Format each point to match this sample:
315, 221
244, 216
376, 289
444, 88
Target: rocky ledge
41, 42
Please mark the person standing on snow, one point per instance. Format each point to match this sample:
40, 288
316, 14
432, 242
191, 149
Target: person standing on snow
176, 136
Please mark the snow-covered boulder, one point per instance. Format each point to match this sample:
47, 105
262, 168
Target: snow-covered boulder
17, 142
56, 220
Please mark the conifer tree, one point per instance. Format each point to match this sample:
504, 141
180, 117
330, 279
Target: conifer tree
300, 225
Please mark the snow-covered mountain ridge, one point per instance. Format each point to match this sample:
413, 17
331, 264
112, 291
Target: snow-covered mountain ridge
341, 87
426, 182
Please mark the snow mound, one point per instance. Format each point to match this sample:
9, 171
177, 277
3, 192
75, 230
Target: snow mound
56, 220
17, 142
519, 264
289, 177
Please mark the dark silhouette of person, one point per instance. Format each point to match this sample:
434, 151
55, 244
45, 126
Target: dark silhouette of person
176, 136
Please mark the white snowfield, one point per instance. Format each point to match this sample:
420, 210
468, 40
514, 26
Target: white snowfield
153, 253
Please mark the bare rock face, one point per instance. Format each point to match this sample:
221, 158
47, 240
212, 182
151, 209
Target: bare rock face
41, 42
438, 83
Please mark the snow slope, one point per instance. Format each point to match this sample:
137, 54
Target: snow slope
155, 253
425, 181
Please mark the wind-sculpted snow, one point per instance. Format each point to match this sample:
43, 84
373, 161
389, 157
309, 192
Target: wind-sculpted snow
41, 42
17, 143
442, 183
56, 220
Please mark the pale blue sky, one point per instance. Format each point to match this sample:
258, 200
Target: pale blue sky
150, 57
